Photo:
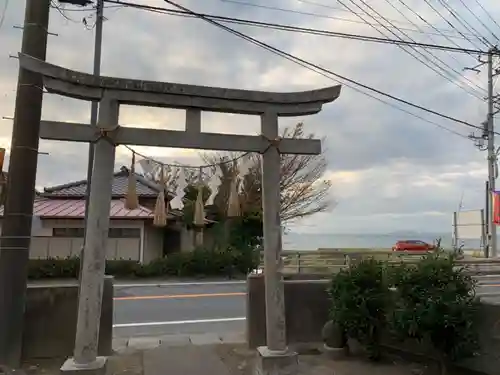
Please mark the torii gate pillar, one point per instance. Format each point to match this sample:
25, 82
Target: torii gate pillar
275, 358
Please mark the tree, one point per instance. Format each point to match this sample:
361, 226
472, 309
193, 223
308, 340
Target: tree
190, 195
304, 191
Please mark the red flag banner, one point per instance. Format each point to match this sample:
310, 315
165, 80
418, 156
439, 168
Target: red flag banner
2, 158
496, 207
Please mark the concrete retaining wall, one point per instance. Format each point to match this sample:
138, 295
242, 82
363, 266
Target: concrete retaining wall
50, 320
307, 305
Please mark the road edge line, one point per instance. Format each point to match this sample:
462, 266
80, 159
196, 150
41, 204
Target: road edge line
178, 322
188, 283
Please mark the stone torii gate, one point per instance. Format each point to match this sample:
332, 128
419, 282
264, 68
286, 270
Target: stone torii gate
111, 92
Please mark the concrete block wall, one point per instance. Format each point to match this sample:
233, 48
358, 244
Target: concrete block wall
306, 309
50, 320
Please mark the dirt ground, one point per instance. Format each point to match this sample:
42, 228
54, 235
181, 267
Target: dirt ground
240, 361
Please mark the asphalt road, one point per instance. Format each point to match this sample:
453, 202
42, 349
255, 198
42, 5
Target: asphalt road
190, 308
179, 309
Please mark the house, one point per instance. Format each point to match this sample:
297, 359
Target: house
58, 222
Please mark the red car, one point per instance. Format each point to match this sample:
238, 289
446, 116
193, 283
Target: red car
412, 245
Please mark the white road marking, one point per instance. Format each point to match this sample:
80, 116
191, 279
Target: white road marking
195, 283
178, 322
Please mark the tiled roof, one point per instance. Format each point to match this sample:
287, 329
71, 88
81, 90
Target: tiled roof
75, 209
77, 189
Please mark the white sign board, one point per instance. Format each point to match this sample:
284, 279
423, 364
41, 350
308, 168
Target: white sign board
469, 224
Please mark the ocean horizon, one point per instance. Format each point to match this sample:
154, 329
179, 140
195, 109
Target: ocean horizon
313, 241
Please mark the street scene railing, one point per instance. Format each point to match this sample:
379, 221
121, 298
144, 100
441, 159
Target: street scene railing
327, 261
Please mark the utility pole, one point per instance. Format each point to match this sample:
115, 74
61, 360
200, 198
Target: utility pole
488, 134
16, 226
492, 157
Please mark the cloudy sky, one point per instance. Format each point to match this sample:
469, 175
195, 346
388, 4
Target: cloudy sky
390, 171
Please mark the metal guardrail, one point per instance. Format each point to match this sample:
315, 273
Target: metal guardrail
331, 260
326, 262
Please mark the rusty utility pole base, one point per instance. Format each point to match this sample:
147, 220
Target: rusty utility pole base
276, 363
98, 367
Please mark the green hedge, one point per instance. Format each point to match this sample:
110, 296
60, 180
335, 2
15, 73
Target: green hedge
432, 302
199, 263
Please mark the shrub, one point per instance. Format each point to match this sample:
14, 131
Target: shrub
200, 262
53, 268
360, 298
435, 304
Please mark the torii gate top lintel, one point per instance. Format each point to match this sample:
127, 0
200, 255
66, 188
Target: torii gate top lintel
85, 86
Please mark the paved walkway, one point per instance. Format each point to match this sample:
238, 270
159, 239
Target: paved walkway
192, 356
236, 359
121, 345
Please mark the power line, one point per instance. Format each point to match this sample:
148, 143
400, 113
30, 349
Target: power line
432, 39
449, 23
324, 70
466, 25
333, 17
487, 13
427, 61
4, 11
440, 32
428, 23
61, 12
304, 30
479, 20
289, 57
262, 6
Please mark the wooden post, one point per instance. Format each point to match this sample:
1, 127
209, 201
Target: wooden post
94, 261
275, 306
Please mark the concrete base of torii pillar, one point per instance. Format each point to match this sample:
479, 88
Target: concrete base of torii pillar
276, 363
98, 367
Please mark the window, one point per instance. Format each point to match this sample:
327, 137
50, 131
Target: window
124, 233
68, 232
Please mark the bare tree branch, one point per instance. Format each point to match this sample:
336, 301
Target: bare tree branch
304, 192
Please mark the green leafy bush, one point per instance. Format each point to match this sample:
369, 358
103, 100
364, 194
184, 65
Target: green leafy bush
360, 298
198, 263
435, 304
53, 268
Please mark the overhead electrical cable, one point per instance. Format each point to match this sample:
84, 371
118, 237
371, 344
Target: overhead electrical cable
310, 66
280, 9
450, 77
429, 24
471, 84
424, 59
4, 12
466, 25
487, 13
479, 20
451, 33
303, 30
323, 70
450, 24
329, 16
